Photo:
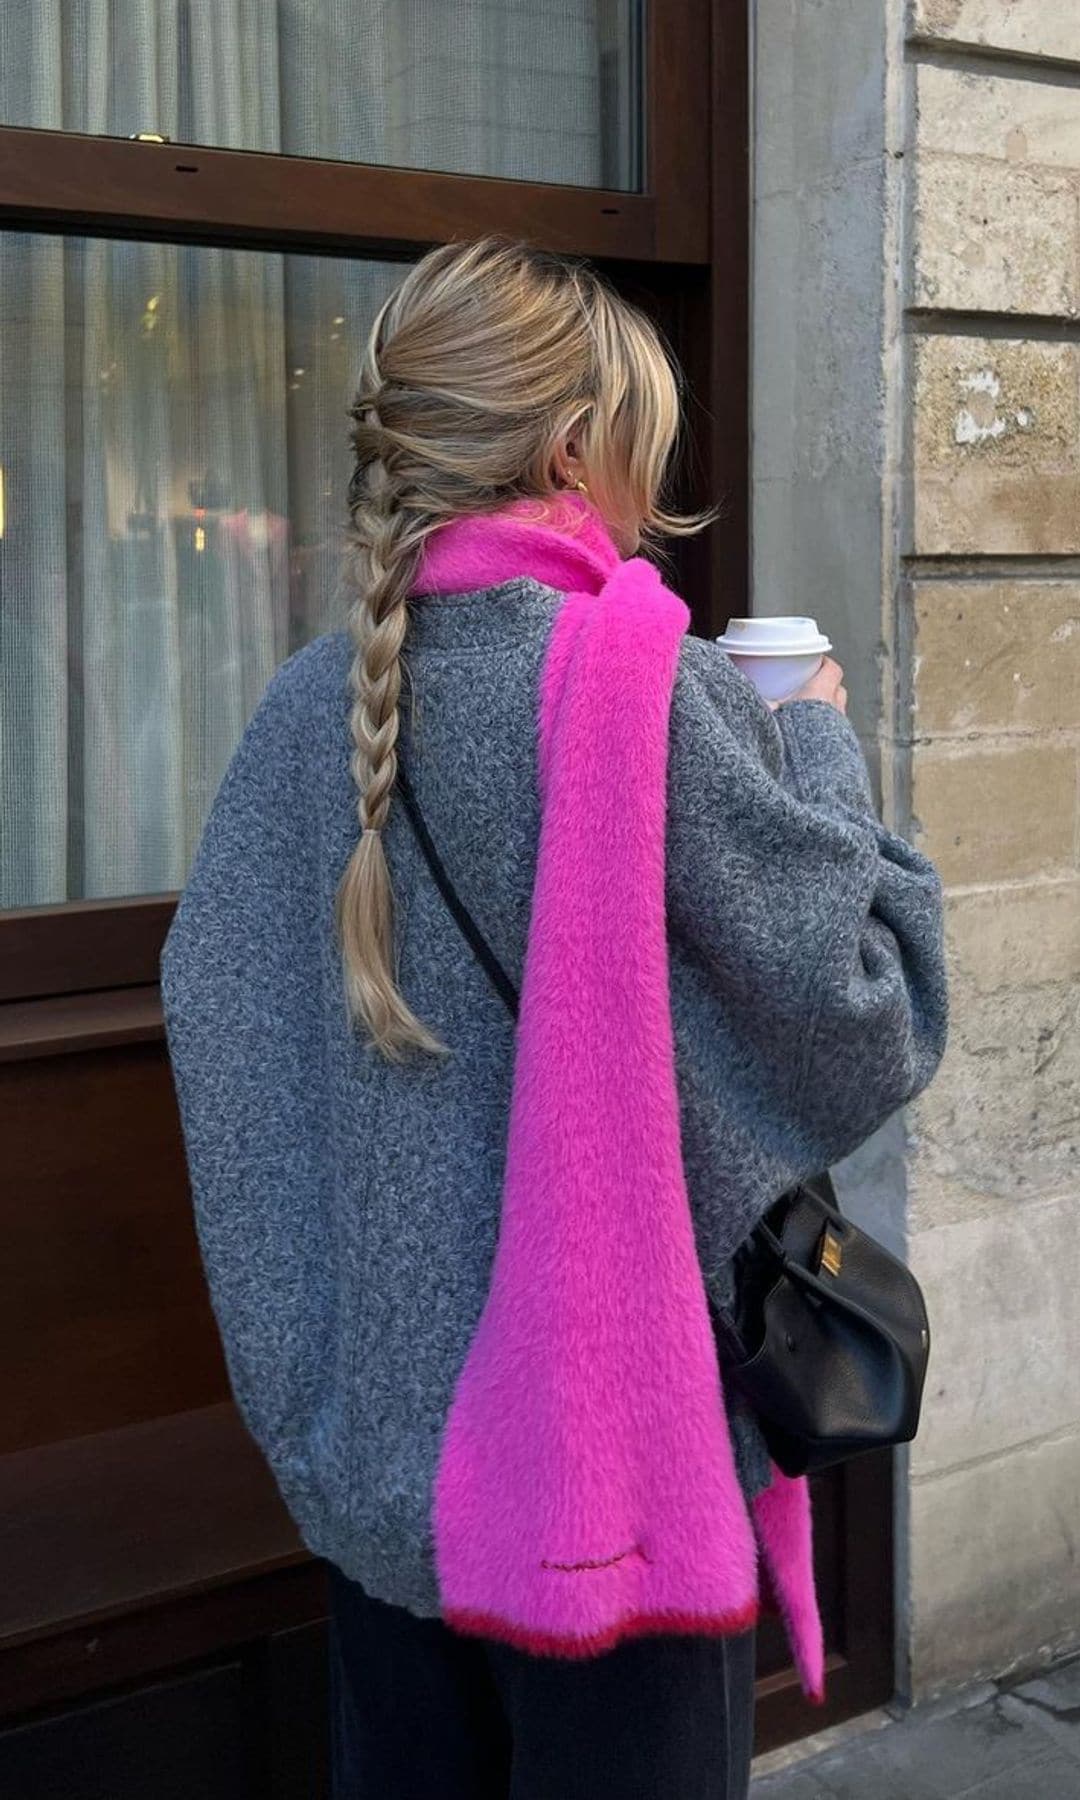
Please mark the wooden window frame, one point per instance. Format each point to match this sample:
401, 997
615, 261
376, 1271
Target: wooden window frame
679, 230
68, 181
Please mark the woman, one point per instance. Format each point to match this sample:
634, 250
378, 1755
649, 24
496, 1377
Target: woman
449, 1262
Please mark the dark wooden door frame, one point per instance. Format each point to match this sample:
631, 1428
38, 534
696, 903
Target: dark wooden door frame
83, 975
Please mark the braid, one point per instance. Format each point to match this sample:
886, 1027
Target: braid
387, 537
375, 678
484, 369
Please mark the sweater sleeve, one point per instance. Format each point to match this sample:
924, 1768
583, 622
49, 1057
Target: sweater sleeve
241, 957
811, 935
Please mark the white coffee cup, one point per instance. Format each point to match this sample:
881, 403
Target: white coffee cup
778, 655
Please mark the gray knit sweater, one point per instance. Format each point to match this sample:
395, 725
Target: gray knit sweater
347, 1209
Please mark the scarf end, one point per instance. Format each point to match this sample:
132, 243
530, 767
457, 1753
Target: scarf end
635, 1625
783, 1524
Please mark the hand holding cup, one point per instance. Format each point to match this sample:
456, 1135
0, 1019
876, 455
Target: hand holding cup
785, 659
826, 684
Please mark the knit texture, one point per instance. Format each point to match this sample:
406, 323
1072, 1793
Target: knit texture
347, 1209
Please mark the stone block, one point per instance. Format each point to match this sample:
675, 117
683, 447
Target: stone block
999, 402
992, 238
995, 656
999, 1123
995, 446
934, 1198
1015, 936
1028, 27
996, 512
1005, 1331
1001, 1118
1032, 125
994, 1548
1002, 811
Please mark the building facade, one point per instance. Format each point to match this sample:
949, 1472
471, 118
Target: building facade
916, 482
856, 222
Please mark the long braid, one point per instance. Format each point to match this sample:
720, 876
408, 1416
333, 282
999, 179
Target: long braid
387, 537
481, 368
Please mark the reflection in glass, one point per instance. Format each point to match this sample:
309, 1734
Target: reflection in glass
538, 90
174, 456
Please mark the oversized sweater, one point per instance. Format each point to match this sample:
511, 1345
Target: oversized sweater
347, 1208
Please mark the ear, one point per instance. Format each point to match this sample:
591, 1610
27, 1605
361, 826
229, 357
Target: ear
564, 464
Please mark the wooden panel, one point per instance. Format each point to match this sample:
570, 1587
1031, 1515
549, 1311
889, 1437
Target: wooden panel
84, 944
678, 106
89, 1021
80, 1659
169, 1742
254, 1721
109, 1321
106, 1523
65, 181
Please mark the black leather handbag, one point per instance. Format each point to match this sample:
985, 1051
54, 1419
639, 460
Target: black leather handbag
828, 1339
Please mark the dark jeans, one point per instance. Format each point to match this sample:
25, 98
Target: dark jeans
419, 1712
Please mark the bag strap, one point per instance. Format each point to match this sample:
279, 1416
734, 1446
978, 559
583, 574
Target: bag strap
460, 913
490, 963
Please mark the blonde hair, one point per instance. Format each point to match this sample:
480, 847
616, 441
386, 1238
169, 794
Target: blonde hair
477, 367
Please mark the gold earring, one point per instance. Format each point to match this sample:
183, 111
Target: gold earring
580, 485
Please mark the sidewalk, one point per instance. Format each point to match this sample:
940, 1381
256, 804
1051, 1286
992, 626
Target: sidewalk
993, 1742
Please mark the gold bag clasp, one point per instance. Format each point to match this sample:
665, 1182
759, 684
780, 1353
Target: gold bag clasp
832, 1253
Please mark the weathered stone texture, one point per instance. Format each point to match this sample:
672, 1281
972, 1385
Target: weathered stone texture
996, 656
1000, 1119
1007, 402
1005, 1364
1000, 811
1028, 27
995, 448
1006, 936
1027, 124
994, 1549
988, 237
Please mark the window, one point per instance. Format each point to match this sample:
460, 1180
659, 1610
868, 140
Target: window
179, 329
173, 440
534, 90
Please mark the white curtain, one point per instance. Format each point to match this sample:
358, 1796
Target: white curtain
173, 432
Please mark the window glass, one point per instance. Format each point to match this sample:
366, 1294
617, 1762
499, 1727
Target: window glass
174, 456
538, 90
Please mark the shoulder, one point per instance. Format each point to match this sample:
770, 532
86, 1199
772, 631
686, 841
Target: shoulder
311, 674
302, 705
310, 688
712, 699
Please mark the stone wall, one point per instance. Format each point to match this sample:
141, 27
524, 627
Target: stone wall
991, 590
916, 418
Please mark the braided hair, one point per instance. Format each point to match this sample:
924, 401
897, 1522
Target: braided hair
487, 363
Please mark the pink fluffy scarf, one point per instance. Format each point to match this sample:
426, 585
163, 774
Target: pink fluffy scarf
586, 1490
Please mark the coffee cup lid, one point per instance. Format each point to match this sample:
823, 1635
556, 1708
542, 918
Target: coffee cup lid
787, 636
